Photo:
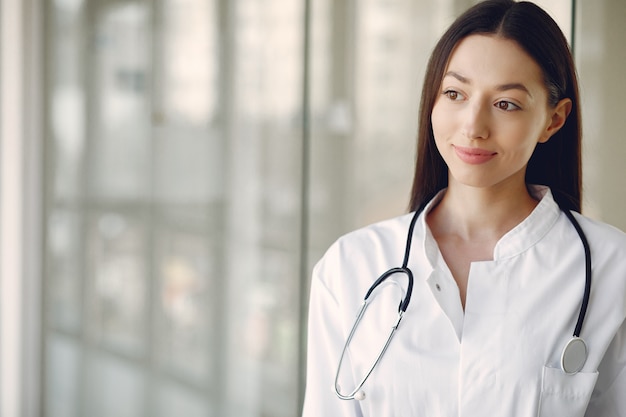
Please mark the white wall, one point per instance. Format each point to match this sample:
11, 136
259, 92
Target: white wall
601, 60
20, 211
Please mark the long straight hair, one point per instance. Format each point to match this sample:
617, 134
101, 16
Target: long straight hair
556, 163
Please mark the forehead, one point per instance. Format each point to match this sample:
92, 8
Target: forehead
490, 59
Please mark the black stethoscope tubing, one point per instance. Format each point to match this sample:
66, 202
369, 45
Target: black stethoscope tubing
573, 356
570, 217
587, 292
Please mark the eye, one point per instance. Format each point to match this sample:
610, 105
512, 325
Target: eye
453, 95
506, 105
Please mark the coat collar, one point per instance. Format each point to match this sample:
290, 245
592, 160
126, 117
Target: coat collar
519, 239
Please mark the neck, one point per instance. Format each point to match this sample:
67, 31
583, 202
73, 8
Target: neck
475, 214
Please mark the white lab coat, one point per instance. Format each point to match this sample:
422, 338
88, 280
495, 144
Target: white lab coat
499, 357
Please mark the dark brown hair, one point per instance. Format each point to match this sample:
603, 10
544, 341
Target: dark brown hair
556, 163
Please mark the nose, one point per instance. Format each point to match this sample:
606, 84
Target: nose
476, 121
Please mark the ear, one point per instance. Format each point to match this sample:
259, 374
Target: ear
557, 120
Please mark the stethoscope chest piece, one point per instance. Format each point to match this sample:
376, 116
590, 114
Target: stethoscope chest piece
574, 356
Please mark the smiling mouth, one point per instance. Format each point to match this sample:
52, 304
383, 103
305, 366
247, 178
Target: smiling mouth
474, 156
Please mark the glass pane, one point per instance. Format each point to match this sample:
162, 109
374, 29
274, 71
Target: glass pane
190, 75
119, 154
63, 272
117, 268
62, 373
173, 399
260, 236
189, 149
189, 164
66, 99
185, 266
113, 387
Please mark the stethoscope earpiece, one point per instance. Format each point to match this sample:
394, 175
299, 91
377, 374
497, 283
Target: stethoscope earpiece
359, 396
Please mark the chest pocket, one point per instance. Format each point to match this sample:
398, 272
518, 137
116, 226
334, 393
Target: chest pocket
565, 395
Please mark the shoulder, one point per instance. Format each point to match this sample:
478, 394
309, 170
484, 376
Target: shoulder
607, 245
370, 238
365, 249
602, 237
602, 234
379, 232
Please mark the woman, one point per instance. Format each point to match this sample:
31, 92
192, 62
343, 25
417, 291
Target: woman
498, 266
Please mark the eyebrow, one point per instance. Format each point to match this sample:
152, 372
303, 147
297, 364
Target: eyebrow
501, 87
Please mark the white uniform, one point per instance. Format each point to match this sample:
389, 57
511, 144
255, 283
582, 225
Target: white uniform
499, 357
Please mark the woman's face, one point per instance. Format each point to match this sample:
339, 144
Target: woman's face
491, 112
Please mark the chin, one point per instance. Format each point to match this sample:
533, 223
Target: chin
484, 177
486, 181
471, 179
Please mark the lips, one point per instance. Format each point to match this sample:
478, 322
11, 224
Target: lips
474, 156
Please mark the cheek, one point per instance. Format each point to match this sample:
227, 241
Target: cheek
526, 131
523, 138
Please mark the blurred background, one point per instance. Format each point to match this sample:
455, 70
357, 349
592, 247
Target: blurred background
171, 170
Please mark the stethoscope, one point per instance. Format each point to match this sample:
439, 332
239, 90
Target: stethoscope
574, 353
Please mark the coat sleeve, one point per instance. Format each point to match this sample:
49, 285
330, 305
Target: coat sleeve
609, 396
325, 342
